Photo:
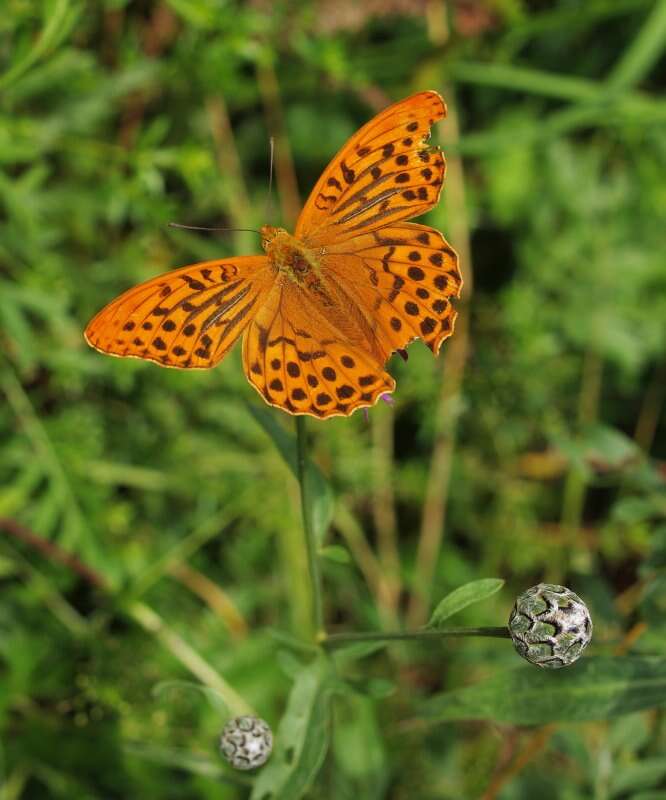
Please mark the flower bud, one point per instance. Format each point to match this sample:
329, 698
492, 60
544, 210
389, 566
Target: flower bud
246, 742
550, 626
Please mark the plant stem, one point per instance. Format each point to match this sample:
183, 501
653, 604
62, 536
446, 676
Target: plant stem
150, 621
651, 408
446, 410
310, 543
217, 600
352, 532
383, 510
576, 483
52, 552
336, 639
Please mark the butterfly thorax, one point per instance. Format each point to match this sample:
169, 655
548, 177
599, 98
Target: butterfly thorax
290, 257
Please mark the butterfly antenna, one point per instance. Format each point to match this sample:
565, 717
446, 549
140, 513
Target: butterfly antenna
269, 201
198, 228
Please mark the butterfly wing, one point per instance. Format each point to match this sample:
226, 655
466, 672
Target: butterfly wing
404, 276
187, 318
299, 360
400, 276
385, 173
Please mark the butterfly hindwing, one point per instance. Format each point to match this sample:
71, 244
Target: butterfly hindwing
187, 318
404, 277
386, 172
297, 360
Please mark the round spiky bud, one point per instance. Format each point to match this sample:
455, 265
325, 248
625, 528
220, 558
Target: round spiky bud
246, 742
550, 626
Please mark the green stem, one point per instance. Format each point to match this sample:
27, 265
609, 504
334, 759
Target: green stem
189, 657
310, 543
336, 639
576, 483
644, 51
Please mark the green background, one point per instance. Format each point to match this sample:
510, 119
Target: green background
150, 533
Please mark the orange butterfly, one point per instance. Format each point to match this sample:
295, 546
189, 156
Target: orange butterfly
322, 310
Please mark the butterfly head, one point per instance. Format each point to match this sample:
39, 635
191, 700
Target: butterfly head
268, 234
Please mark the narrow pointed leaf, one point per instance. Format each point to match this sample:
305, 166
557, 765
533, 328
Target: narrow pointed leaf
336, 553
464, 596
594, 688
302, 738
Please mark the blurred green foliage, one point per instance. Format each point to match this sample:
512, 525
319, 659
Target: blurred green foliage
150, 530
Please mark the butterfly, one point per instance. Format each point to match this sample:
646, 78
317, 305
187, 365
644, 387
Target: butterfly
322, 310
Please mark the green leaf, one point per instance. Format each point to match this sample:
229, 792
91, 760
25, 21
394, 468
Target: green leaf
645, 774
606, 449
354, 652
375, 688
292, 642
321, 507
658, 795
358, 746
302, 738
289, 664
336, 553
594, 688
60, 17
463, 596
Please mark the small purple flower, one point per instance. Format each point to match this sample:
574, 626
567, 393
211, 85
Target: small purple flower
386, 397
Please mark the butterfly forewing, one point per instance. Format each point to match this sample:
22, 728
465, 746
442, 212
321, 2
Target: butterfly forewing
186, 318
385, 173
